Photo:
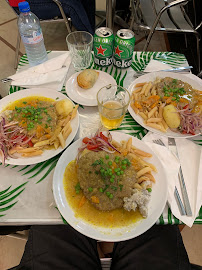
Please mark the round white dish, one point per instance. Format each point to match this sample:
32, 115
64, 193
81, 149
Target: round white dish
151, 77
87, 97
44, 92
156, 205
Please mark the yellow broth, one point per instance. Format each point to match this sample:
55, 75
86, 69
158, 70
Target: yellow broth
87, 212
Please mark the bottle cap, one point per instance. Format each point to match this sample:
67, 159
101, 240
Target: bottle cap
24, 6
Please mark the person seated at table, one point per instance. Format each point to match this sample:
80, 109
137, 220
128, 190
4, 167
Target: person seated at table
81, 12
61, 247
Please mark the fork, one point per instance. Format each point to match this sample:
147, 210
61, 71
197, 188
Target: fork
172, 146
179, 69
176, 193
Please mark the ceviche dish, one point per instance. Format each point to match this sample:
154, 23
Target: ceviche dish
32, 124
109, 184
169, 103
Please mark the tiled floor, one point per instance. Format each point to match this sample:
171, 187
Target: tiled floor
54, 34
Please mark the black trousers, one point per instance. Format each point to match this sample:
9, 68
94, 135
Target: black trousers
61, 247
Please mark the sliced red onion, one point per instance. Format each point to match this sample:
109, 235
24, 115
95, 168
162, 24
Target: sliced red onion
103, 145
190, 122
107, 150
10, 124
8, 132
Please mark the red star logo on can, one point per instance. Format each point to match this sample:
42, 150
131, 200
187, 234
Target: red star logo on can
100, 50
118, 51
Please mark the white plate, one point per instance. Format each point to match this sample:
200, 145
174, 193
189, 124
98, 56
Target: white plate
87, 97
151, 77
44, 92
156, 205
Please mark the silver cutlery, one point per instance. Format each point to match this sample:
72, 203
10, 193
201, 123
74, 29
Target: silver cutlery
139, 73
179, 202
176, 193
172, 146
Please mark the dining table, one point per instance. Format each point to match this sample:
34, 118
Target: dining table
26, 195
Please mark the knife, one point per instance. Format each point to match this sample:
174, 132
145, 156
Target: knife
173, 148
139, 73
177, 69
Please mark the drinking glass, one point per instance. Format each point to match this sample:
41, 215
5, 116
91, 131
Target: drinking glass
80, 46
113, 101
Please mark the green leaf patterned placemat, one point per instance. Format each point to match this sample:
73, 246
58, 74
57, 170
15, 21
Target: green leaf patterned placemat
9, 195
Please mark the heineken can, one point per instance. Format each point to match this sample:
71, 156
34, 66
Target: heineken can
103, 46
123, 48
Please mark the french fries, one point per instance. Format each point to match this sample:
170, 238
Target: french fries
147, 104
143, 168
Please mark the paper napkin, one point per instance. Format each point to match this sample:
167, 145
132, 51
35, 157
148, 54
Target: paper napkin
190, 157
50, 74
155, 65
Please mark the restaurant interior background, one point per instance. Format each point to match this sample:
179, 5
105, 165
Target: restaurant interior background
11, 249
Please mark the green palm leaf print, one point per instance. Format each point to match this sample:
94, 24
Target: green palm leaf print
173, 59
7, 196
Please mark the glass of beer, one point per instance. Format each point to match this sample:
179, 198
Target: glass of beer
113, 101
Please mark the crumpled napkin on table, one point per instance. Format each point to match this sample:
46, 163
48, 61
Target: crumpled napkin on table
155, 65
190, 156
50, 74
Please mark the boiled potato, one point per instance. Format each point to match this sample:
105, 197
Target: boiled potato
64, 107
171, 116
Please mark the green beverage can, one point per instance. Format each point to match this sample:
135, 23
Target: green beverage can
103, 46
123, 48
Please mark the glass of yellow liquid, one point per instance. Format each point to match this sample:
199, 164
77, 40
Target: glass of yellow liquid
113, 101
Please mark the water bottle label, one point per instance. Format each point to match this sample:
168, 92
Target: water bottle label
36, 38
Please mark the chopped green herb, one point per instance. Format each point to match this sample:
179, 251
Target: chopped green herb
90, 189
77, 188
100, 189
111, 196
106, 187
24, 102
97, 162
90, 172
107, 156
121, 187
174, 81
149, 189
57, 98
49, 119
111, 180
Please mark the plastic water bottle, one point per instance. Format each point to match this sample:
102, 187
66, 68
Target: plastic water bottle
31, 34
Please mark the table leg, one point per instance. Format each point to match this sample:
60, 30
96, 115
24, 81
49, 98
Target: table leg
110, 10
